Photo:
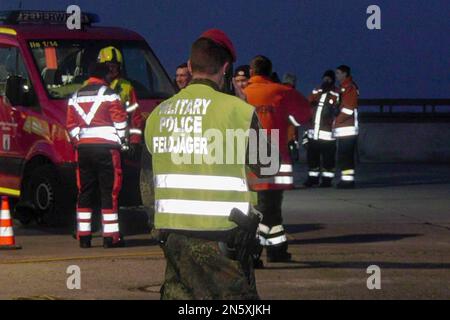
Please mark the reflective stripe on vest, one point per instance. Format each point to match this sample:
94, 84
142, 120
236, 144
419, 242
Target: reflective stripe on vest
323, 135
345, 131
348, 130
74, 132
319, 116
200, 182
97, 101
107, 133
196, 207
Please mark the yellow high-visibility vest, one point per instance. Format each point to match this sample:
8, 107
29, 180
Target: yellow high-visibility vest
198, 196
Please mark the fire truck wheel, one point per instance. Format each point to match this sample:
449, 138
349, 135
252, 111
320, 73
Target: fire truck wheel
147, 193
46, 196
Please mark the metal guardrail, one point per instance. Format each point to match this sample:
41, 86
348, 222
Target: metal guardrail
428, 105
404, 110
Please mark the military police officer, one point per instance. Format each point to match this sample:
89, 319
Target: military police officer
199, 205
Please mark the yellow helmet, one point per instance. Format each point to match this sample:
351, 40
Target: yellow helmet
110, 54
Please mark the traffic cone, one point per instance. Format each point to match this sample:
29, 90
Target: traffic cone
7, 239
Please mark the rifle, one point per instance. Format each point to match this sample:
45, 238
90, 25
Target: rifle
245, 241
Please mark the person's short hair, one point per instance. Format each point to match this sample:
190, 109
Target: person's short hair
98, 70
345, 69
261, 66
208, 57
182, 66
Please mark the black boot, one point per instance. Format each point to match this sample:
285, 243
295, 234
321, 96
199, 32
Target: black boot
109, 243
85, 242
311, 182
326, 183
278, 253
345, 185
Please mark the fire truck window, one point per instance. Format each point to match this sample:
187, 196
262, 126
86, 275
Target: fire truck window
7, 66
64, 65
141, 68
11, 64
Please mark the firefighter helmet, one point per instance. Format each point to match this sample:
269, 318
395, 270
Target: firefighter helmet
110, 54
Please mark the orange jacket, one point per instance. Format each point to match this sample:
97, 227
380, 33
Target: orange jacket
277, 106
349, 103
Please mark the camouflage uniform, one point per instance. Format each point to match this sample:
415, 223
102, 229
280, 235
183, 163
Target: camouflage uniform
198, 270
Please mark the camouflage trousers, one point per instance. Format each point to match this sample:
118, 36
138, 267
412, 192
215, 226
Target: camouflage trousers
198, 270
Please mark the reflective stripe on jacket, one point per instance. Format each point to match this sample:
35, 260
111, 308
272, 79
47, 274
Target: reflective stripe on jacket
95, 115
324, 104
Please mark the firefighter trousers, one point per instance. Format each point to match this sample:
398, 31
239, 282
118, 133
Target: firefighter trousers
346, 147
99, 173
321, 156
271, 232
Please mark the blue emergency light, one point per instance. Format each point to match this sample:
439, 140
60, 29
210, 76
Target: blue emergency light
15, 17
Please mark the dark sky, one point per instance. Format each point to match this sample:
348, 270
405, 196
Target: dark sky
407, 58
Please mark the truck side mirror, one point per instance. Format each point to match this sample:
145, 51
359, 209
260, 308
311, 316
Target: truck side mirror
15, 90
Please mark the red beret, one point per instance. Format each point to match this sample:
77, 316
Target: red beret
219, 37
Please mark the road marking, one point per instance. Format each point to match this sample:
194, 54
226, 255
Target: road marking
152, 254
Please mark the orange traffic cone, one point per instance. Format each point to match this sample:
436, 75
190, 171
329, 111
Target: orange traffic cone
7, 240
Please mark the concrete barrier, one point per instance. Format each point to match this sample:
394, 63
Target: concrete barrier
404, 142
390, 142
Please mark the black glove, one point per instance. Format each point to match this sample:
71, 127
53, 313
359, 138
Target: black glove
293, 150
134, 152
124, 145
305, 140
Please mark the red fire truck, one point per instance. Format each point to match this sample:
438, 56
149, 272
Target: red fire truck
42, 63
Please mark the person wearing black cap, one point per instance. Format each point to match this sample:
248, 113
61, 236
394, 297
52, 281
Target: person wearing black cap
346, 127
240, 80
321, 145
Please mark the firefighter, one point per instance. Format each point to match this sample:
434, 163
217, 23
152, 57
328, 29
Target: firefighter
276, 105
114, 59
97, 124
321, 147
208, 251
346, 127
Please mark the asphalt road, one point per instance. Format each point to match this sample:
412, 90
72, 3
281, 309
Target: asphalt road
397, 219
